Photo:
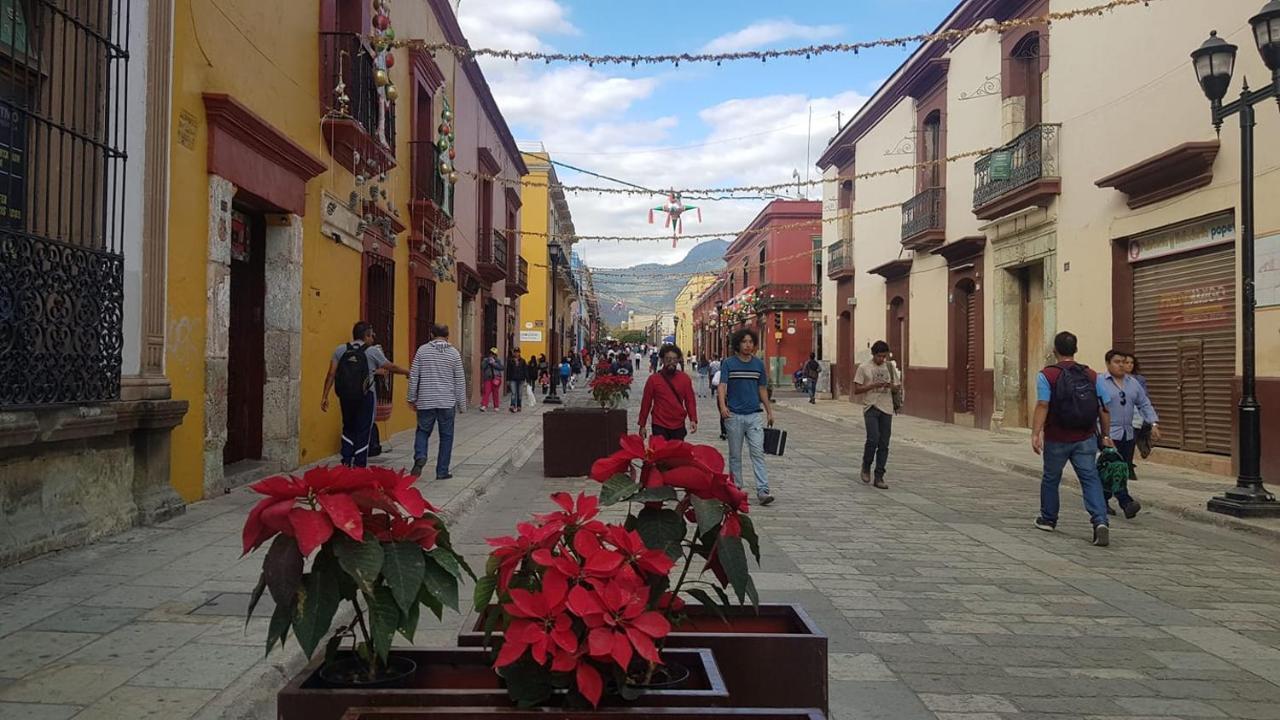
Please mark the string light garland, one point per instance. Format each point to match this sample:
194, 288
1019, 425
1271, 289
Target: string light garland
462, 52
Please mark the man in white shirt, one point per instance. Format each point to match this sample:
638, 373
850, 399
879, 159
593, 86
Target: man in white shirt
875, 381
437, 388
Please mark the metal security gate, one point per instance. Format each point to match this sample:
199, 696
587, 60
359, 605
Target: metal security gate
1184, 335
62, 161
966, 348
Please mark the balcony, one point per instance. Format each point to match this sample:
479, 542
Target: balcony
430, 202
789, 296
519, 285
924, 220
1022, 174
360, 128
493, 257
840, 260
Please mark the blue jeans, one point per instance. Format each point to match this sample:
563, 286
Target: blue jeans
751, 428
516, 391
811, 384
427, 420
357, 429
1084, 460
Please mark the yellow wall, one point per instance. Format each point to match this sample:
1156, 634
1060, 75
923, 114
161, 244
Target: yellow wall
684, 310
266, 56
535, 217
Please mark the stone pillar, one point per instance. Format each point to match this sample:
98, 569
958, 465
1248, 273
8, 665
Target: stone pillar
217, 322
281, 397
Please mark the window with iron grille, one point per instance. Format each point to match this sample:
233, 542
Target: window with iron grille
63, 84
380, 311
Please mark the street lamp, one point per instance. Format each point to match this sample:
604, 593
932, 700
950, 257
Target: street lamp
1214, 63
555, 255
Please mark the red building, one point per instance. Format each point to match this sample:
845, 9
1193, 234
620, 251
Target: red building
771, 284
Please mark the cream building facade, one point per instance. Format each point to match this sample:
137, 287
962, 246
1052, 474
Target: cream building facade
1092, 195
683, 315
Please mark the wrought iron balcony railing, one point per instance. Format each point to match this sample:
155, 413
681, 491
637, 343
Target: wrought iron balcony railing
839, 258
353, 104
789, 295
427, 183
1031, 156
924, 217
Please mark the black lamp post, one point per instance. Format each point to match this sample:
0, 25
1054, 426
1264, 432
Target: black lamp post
720, 328
1214, 63
554, 254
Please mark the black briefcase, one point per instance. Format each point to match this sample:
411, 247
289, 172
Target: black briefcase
775, 441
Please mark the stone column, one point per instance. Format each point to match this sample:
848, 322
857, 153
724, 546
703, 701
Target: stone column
217, 324
281, 397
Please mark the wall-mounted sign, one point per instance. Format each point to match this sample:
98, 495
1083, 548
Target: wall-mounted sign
1000, 166
529, 325
1191, 236
530, 336
791, 331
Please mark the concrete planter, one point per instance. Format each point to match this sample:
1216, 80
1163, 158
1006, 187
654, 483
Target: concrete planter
780, 642
464, 678
574, 438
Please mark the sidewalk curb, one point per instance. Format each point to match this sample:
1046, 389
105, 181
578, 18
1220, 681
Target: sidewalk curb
253, 695
1226, 522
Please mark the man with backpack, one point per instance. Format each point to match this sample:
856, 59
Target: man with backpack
1071, 406
351, 373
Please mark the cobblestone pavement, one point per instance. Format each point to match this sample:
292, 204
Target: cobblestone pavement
942, 602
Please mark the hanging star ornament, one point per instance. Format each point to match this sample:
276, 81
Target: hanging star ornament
674, 208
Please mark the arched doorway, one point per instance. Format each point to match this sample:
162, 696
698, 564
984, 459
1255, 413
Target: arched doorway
964, 361
1028, 74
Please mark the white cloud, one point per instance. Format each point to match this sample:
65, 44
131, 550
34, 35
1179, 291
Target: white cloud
768, 32
513, 24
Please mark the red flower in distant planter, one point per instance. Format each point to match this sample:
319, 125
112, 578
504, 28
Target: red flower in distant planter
610, 390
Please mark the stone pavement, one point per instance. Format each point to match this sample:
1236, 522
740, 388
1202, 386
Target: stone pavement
150, 623
1173, 489
943, 603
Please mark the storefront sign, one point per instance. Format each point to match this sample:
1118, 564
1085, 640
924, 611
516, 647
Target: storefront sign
1207, 233
1199, 306
530, 336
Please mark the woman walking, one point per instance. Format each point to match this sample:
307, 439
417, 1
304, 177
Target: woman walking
517, 368
491, 369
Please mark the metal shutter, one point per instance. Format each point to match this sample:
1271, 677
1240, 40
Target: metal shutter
1184, 334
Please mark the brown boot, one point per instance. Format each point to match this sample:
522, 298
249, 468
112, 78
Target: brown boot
866, 476
880, 483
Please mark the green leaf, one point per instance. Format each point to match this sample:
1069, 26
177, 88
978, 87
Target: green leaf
618, 489
527, 684
724, 596
283, 569
317, 603
256, 596
658, 494
361, 560
710, 514
733, 557
409, 620
441, 583
749, 534
384, 619
403, 566
701, 596
753, 593
447, 560
661, 529
279, 629
485, 588
331, 648
432, 602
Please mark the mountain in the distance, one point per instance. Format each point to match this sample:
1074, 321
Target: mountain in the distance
650, 287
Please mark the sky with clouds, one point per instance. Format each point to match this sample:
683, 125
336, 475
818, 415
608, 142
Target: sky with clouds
743, 123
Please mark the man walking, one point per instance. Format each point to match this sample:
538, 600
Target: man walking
1127, 395
437, 388
669, 394
491, 370
812, 370
874, 381
351, 373
517, 372
743, 392
1071, 406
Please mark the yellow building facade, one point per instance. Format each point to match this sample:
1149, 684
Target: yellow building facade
544, 217
684, 310
310, 189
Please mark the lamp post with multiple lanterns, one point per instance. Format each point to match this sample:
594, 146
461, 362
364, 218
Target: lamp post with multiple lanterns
1214, 63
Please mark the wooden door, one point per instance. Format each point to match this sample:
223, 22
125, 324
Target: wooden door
964, 359
844, 353
1032, 347
1191, 404
898, 331
246, 360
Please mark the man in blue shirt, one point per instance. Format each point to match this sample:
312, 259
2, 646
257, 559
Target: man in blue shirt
743, 392
1127, 396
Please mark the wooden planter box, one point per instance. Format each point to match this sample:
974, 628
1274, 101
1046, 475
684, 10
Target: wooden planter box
780, 643
574, 438
620, 713
464, 677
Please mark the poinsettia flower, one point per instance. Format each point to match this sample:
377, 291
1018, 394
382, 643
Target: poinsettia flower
399, 485
280, 486
339, 479
597, 560
575, 516
731, 526
540, 623
633, 550
619, 624
312, 528
421, 531
512, 551
344, 514
268, 518
670, 602
632, 448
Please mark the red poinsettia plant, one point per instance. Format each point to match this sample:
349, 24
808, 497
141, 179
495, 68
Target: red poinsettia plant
584, 604
610, 390
372, 540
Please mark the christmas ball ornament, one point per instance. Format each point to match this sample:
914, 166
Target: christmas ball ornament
389, 34
447, 115
452, 153
382, 22
392, 93
453, 178
359, 179
442, 144
445, 167
445, 129
391, 61
380, 78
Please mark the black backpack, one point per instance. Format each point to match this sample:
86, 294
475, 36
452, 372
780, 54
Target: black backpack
353, 370
1074, 402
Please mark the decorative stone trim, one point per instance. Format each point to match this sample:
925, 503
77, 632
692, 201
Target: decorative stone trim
1181, 169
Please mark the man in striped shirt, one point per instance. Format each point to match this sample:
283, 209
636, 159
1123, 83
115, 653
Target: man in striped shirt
437, 388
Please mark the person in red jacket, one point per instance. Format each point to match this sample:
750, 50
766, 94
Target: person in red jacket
669, 394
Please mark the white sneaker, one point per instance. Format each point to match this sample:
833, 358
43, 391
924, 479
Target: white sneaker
481, 408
